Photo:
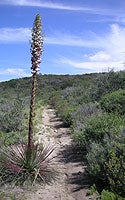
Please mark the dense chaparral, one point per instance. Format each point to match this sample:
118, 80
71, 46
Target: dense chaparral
91, 104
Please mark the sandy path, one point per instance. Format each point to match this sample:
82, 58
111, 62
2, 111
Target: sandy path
70, 184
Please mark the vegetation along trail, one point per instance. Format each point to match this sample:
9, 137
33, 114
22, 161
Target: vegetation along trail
70, 184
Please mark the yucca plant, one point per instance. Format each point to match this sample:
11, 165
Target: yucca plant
36, 51
28, 162
17, 169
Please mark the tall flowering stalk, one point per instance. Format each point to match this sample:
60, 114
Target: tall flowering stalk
24, 163
36, 51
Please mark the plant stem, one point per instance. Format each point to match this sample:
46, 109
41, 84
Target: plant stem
32, 105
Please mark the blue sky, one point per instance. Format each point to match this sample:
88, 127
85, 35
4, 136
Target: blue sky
81, 36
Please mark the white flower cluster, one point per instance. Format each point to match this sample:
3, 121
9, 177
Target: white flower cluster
36, 46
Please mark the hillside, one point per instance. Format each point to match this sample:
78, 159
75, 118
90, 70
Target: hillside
91, 105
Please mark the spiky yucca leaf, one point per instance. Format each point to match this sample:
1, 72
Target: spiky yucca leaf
16, 168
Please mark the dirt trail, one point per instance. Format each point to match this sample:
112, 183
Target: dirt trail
71, 183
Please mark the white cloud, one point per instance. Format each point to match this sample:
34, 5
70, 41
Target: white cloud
110, 47
90, 67
18, 72
69, 40
114, 41
110, 54
46, 4
52, 5
100, 56
15, 35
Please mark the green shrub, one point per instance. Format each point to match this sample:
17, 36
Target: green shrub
80, 116
106, 161
77, 95
12, 115
65, 110
96, 159
85, 111
114, 101
115, 170
106, 195
106, 83
13, 120
14, 137
66, 115
97, 127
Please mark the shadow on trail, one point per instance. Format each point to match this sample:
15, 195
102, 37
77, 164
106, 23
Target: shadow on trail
74, 156
80, 181
73, 153
58, 122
